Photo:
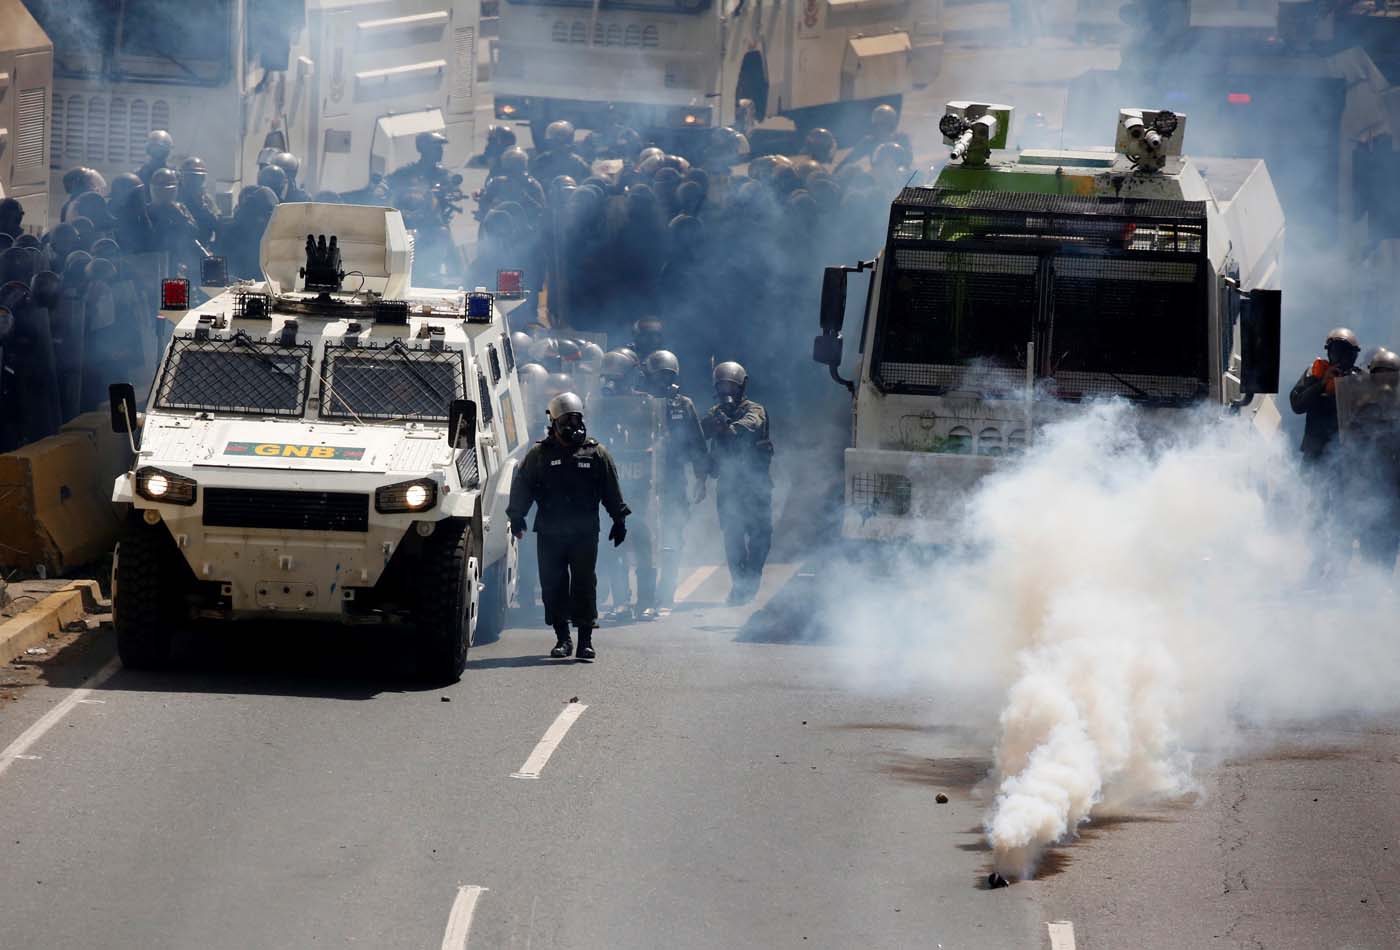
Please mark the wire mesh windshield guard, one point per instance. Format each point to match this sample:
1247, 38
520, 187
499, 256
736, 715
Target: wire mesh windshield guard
238, 375
390, 382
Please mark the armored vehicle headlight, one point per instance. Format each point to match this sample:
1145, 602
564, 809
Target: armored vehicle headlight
168, 488
417, 495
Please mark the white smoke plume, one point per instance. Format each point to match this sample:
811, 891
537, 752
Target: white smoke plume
1133, 603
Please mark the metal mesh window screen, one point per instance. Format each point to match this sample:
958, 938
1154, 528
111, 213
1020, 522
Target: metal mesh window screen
1144, 321
390, 383
231, 376
495, 359
487, 412
882, 493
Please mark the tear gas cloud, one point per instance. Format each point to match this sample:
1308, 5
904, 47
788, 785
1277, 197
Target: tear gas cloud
1128, 606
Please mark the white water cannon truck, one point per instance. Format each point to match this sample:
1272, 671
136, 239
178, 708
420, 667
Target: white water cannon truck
1022, 285
328, 443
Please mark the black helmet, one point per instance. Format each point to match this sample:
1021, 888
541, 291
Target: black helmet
1383, 361
559, 134
649, 334
514, 161
501, 136
821, 145
122, 186
662, 370
566, 418
265, 155
78, 180
194, 165
289, 163
731, 379
1344, 336
430, 142
159, 144
884, 119
165, 180
618, 364
274, 178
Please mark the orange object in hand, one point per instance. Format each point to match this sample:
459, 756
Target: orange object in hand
1319, 369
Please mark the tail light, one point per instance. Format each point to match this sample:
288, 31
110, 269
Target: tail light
175, 294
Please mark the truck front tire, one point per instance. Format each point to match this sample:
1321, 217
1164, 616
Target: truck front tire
147, 596
445, 602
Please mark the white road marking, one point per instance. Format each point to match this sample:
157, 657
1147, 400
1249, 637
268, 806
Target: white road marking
1061, 934
552, 737
692, 583
459, 921
18, 748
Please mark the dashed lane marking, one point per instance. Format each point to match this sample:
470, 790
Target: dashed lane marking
16, 750
1061, 934
552, 737
459, 920
692, 583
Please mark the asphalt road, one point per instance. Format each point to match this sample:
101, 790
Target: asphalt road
719, 786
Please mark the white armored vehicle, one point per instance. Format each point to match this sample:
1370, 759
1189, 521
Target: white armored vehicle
328, 443
1024, 284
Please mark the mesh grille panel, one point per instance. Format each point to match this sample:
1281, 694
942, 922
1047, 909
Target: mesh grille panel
286, 510
225, 376
882, 493
390, 383
29, 137
982, 379
467, 467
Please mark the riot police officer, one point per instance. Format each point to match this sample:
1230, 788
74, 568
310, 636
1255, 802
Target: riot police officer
193, 175
567, 475
290, 166
428, 171
174, 228
513, 182
683, 443
648, 336
742, 453
557, 158
884, 127
159, 145
1315, 394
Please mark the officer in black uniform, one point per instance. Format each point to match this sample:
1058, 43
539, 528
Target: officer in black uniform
1315, 394
193, 195
683, 443
568, 475
558, 157
290, 166
742, 453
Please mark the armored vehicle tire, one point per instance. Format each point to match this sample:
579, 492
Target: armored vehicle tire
444, 601
146, 598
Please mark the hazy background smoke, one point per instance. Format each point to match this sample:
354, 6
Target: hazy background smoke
1128, 605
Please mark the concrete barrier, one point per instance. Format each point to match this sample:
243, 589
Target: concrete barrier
55, 497
48, 617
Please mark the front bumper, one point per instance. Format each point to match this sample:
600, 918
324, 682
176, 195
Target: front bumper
913, 497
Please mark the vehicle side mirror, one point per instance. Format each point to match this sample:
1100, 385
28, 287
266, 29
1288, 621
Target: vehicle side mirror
833, 300
826, 349
461, 418
123, 401
1261, 320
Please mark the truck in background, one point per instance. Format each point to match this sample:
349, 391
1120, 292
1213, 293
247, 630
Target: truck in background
26, 81
674, 68
1022, 284
345, 85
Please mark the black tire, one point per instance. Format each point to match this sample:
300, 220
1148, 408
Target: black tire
147, 595
443, 603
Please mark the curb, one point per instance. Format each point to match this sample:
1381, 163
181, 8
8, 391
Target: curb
48, 617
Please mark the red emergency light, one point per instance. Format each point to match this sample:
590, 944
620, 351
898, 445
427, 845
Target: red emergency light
175, 294
1239, 98
510, 281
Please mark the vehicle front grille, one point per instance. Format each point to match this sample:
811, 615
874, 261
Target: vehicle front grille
99, 128
286, 510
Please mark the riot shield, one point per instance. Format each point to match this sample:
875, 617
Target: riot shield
630, 428
1368, 407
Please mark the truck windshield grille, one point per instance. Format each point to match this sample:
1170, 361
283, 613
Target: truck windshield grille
286, 510
1109, 296
237, 375
391, 382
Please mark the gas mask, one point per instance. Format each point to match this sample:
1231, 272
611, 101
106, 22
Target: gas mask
729, 399
571, 429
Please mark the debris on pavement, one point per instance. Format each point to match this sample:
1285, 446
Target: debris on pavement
995, 880
941, 798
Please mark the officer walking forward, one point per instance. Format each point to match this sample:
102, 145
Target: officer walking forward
742, 453
568, 475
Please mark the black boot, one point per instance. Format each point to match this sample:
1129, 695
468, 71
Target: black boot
585, 644
565, 646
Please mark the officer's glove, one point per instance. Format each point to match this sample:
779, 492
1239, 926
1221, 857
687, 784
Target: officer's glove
517, 528
618, 533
